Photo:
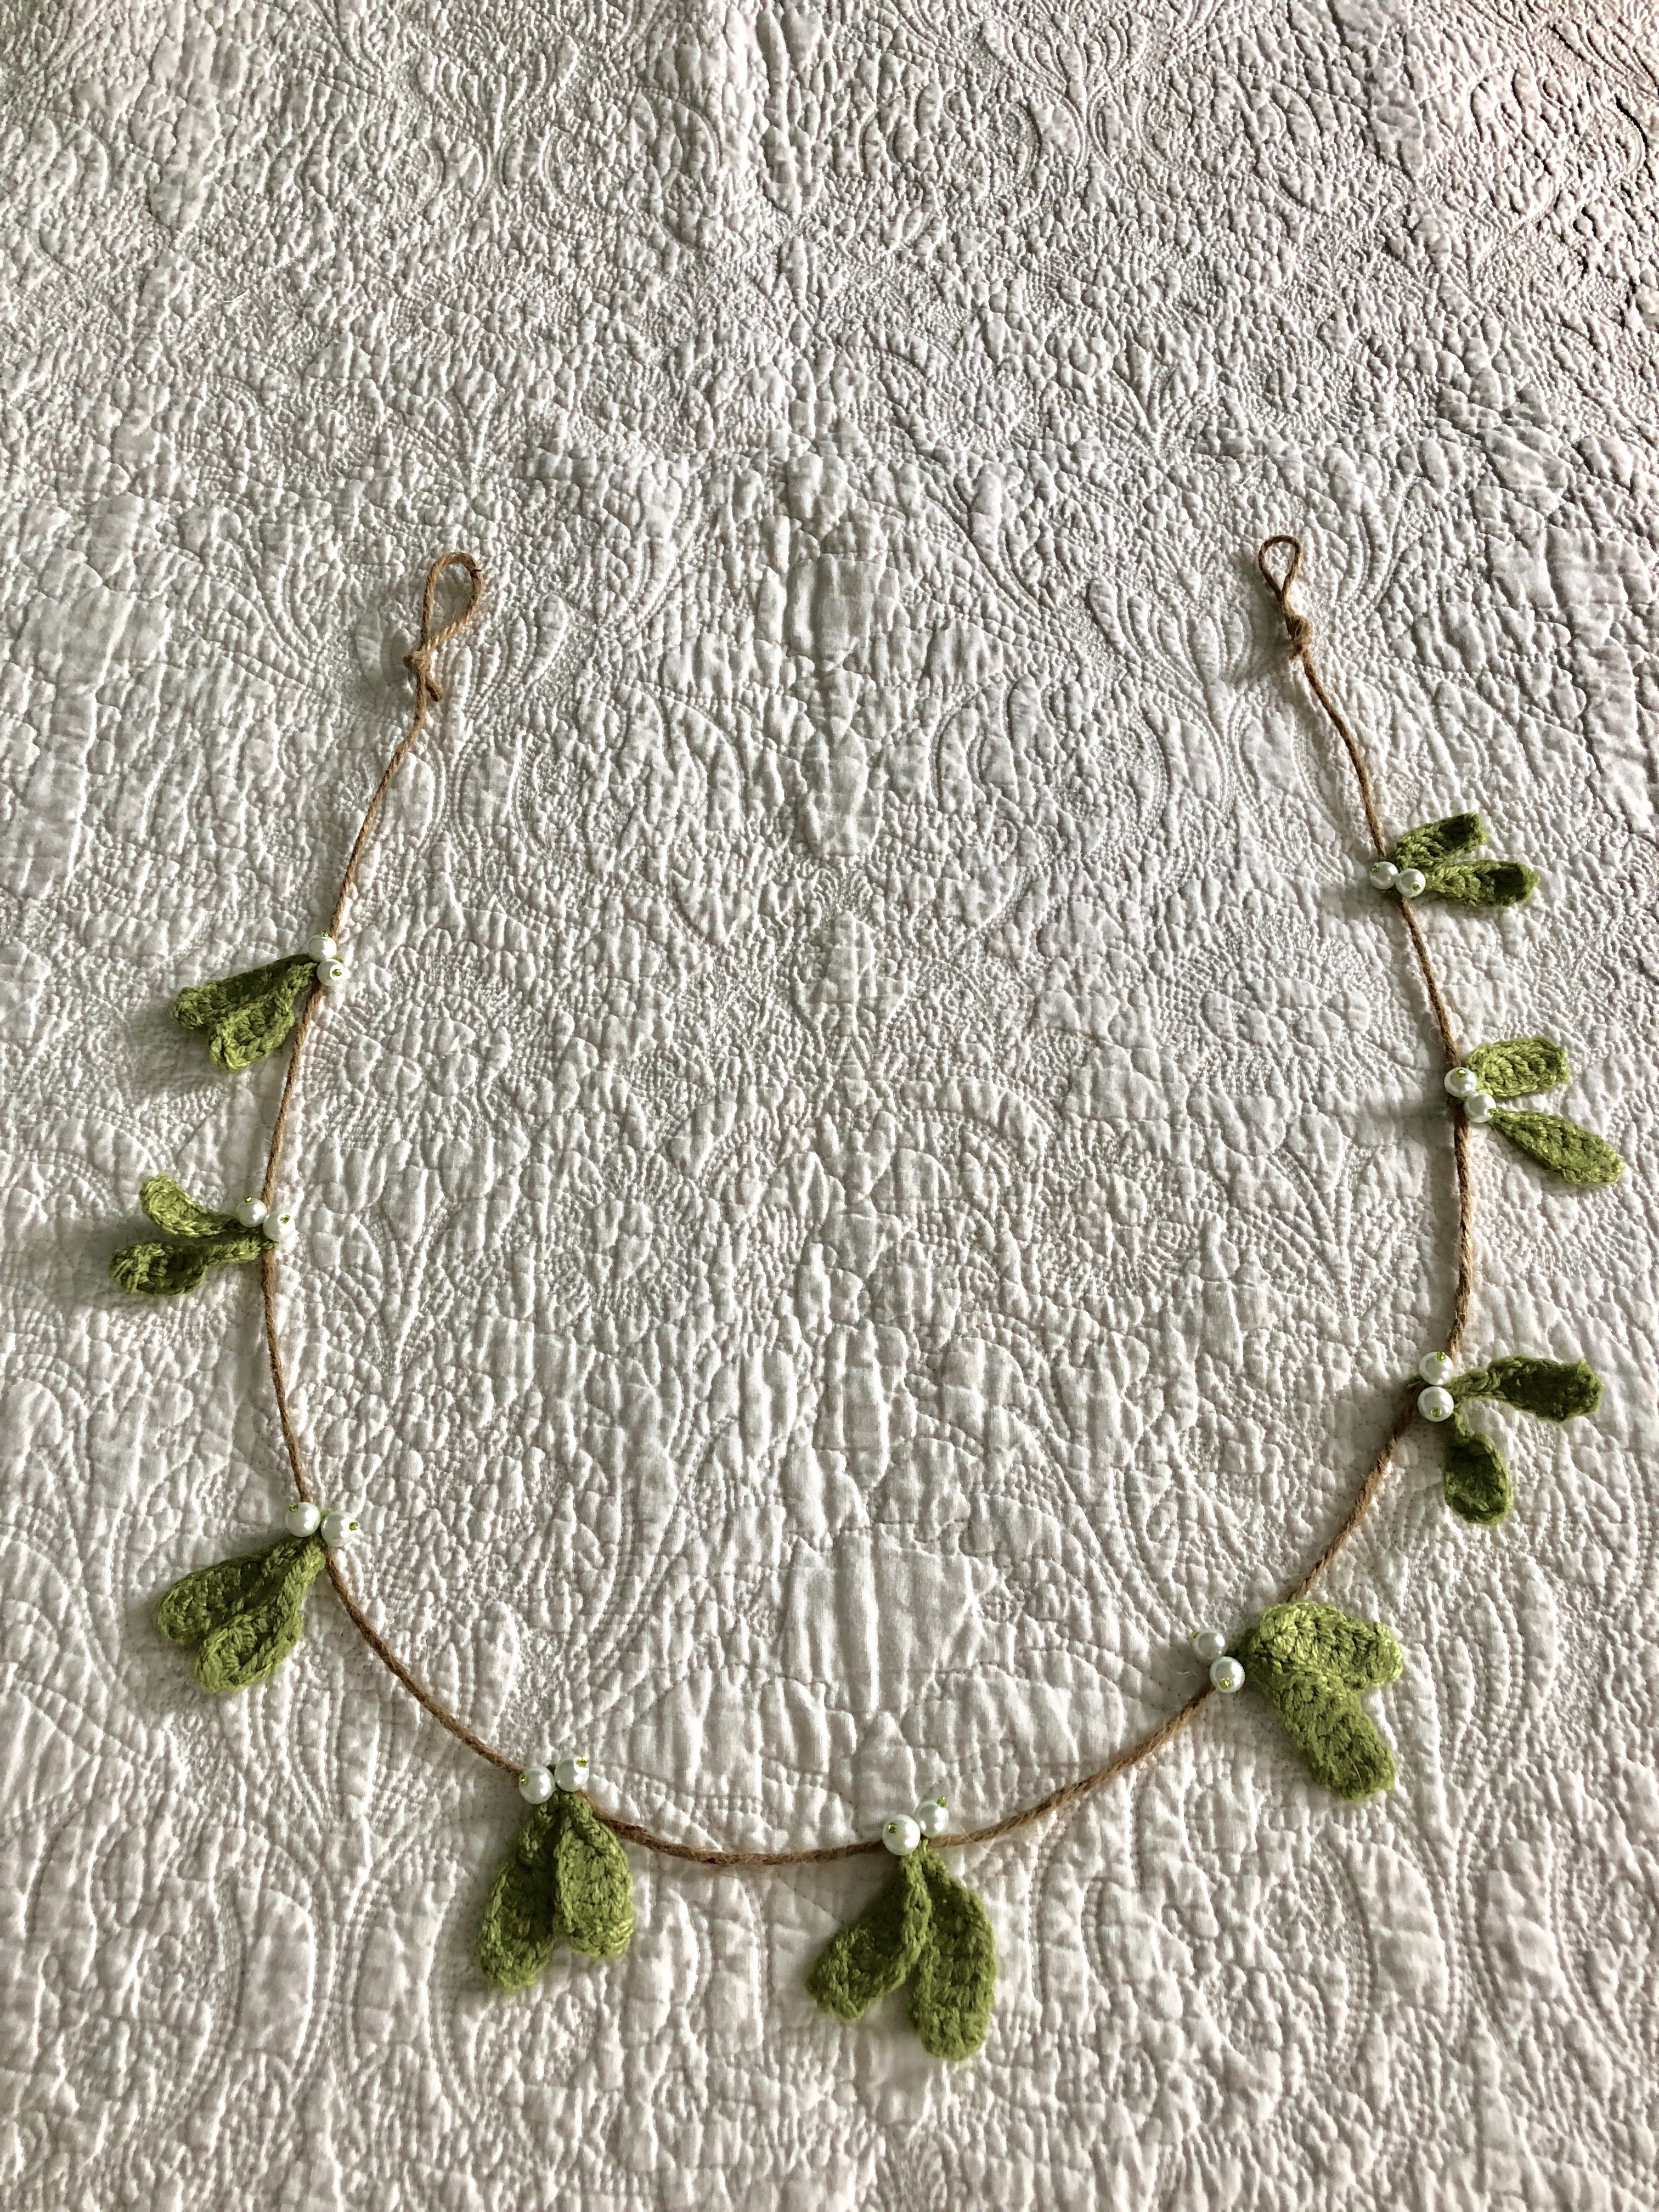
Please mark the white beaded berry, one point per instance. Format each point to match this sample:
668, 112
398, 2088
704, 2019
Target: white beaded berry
571, 1772
320, 948
304, 1519
1434, 1367
1227, 1676
1384, 875
279, 1227
1435, 1404
1480, 1105
535, 1785
1461, 1082
931, 1815
901, 1835
251, 1212
1209, 1644
340, 1528
331, 974
1411, 882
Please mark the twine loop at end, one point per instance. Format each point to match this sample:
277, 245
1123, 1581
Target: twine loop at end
419, 658
1297, 627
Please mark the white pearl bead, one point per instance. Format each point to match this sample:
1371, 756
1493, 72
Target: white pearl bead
1228, 1676
320, 948
1434, 1367
304, 1519
279, 1227
1480, 1105
251, 1212
901, 1835
1413, 882
1209, 1644
535, 1785
1385, 875
1461, 1081
331, 974
1435, 1404
931, 1815
340, 1528
571, 1773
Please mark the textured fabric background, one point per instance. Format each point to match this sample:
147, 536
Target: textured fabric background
882, 1163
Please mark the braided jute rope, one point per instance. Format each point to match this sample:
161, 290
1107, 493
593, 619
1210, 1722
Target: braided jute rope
427, 695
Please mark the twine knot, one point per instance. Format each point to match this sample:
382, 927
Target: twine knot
419, 658
1297, 627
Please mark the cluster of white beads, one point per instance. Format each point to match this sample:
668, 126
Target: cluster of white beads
1437, 1403
331, 970
254, 1213
1464, 1084
1210, 1646
337, 1526
904, 1832
1410, 883
538, 1784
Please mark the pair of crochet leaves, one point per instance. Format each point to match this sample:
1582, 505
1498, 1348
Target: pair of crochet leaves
240, 1619
203, 1239
924, 1927
564, 1879
246, 1017
1520, 1068
1477, 1481
1310, 1662
1443, 849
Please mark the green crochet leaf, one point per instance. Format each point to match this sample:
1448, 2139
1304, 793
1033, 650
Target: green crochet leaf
1520, 1067
1483, 883
209, 1240
1477, 1482
595, 1888
1309, 1661
1434, 841
245, 1017
565, 1879
1577, 1155
877, 1953
1362, 1653
521, 1925
955, 1976
1549, 1390
242, 1617
924, 1927
171, 1208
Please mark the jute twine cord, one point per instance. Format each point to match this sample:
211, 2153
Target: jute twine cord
427, 694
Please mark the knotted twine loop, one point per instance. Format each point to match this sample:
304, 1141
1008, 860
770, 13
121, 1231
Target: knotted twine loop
1300, 629
419, 658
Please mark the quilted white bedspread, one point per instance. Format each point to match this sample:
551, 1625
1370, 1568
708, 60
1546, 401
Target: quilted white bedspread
882, 1162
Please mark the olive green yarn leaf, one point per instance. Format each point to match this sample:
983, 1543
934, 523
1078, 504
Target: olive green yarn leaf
1363, 1655
954, 1979
1520, 1067
1433, 841
1549, 1390
1578, 1156
521, 1925
1337, 1737
1490, 883
210, 1239
245, 1017
1477, 1481
593, 1888
173, 1209
242, 1617
863, 1962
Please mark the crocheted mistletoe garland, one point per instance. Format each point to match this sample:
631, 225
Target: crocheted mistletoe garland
566, 1877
